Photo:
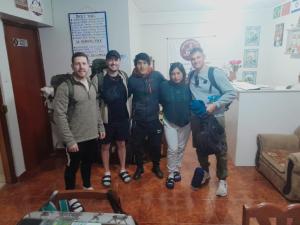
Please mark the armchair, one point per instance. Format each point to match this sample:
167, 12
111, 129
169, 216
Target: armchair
278, 159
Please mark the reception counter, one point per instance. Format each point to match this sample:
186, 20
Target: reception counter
259, 111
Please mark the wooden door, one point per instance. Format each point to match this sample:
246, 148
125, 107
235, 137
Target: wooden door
24, 55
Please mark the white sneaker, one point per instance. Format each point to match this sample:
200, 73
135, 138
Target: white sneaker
88, 188
206, 177
222, 189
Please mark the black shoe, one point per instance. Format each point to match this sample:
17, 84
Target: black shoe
156, 170
138, 173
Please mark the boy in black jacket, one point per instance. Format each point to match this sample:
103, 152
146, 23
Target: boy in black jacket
144, 86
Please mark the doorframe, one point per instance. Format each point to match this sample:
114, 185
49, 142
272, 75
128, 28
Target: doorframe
6, 152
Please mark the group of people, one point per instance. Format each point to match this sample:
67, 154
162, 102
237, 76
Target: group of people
111, 106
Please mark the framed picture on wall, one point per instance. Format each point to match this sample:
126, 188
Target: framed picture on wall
22, 4
250, 58
89, 34
249, 76
252, 36
277, 12
279, 28
293, 42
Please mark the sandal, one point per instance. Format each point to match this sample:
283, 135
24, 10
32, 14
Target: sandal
106, 180
177, 176
170, 183
75, 206
125, 176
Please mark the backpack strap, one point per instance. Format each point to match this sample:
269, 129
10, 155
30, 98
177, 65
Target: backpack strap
70, 84
212, 80
190, 76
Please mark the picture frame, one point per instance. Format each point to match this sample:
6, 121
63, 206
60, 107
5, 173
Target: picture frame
278, 36
250, 58
89, 34
293, 42
252, 36
277, 12
249, 77
21, 4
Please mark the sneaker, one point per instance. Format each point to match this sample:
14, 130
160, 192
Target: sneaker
206, 177
156, 170
222, 189
88, 188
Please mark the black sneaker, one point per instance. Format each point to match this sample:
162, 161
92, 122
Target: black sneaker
156, 170
138, 173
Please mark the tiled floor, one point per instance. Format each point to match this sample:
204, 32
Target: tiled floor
147, 200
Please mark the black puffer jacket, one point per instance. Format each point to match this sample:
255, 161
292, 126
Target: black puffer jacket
145, 91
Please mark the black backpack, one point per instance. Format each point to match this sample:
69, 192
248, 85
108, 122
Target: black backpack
210, 136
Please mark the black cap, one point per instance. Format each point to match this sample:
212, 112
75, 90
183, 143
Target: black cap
113, 54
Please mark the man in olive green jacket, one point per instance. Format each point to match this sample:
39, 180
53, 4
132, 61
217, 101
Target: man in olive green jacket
79, 121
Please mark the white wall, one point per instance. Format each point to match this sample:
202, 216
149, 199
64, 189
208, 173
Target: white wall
283, 69
10, 12
227, 27
134, 30
56, 41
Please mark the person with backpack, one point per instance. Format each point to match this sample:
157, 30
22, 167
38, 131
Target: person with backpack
212, 93
77, 115
144, 85
112, 86
175, 98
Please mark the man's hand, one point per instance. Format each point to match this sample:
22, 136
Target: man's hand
73, 148
101, 135
210, 108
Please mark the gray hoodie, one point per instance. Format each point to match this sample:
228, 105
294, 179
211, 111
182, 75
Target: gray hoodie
80, 121
201, 92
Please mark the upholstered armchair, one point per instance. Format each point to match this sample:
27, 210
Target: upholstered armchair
278, 159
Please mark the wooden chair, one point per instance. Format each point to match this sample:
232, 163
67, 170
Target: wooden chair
265, 212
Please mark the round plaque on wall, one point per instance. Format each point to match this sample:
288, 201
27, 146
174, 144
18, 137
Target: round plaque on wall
187, 46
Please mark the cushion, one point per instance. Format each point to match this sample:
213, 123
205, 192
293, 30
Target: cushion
277, 158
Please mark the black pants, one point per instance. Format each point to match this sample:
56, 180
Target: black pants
152, 130
84, 158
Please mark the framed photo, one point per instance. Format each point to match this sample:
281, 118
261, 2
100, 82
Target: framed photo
286, 8
36, 7
21, 4
293, 42
89, 34
277, 12
279, 28
252, 36
250, 58
249, 76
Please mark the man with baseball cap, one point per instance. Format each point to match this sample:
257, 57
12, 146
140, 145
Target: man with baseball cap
115, 113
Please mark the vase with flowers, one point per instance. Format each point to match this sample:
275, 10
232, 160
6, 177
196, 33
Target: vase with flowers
235, 65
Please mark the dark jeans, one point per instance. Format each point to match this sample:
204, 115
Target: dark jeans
82, 158
141, 130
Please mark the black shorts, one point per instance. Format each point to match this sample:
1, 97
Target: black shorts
118, 131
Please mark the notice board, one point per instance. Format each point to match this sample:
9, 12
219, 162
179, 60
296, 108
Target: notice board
89, 33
